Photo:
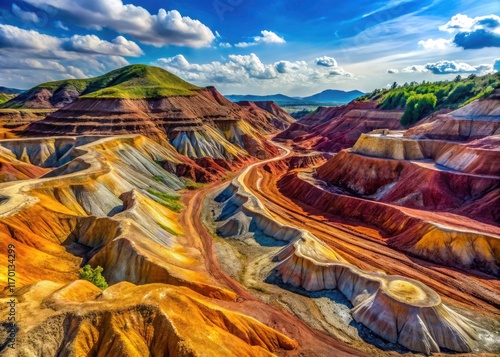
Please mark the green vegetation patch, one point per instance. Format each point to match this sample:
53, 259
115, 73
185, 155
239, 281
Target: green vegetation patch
192, 185
418, 106
94, 276
6, 97
168, 229
417, 99
169, 201
138, 81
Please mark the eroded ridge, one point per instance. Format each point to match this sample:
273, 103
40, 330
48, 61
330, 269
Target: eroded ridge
102, 207
130, 320
396, 308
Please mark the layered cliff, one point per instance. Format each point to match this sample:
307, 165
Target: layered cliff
476, 120
335, 128
435, 198
145, 100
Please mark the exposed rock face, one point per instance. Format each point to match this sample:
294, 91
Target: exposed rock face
445, 238
130, 320
17, 119
99, 206
435, 198
399, 309
417, 184
204, 124
335, 128
266, 116
64, 217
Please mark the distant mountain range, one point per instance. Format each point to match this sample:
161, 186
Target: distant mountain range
327, 96
5, 90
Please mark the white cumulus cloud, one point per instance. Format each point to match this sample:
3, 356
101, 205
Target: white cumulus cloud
91, 43
436, 44
162, 29
290, 67
392, 71
246, 71
267, 37
415, 69
326, 61
28, 57
449, 67
15, 37
474, 32
464, 23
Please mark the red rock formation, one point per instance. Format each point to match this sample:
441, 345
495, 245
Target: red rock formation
336, 128
266, 116
200, 125
450, 239
415, 184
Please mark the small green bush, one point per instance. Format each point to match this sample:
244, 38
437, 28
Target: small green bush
417, 107
94, 276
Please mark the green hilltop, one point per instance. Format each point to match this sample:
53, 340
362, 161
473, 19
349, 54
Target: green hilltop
136, 81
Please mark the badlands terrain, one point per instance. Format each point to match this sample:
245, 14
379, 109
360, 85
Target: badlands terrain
230, 229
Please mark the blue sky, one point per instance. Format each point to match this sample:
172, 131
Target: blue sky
260, 47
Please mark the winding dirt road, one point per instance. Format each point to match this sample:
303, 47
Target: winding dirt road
362, 246
312, 342
469, 290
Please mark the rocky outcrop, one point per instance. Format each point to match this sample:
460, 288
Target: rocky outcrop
446, 238
331, 129
416, 184
78, 213
13, 120
399, 309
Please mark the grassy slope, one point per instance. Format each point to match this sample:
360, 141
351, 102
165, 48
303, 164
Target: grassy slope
134, 82
6, 97
449, 94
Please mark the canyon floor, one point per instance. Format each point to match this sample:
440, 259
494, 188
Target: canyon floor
237, 273
229, 229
